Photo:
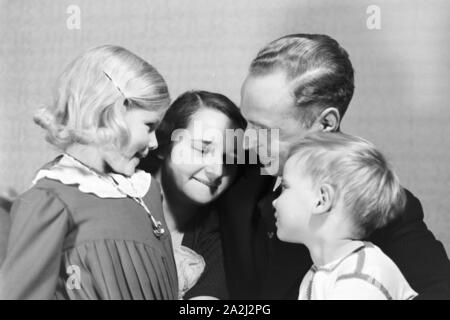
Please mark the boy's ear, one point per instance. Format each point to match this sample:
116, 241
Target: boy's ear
324, 202
329, 120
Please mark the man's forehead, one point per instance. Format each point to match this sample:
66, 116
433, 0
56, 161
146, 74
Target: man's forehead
264, 95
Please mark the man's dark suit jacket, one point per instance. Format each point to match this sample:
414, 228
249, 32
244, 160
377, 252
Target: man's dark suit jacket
259, 266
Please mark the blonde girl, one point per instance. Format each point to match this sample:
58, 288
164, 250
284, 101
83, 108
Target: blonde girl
91, 226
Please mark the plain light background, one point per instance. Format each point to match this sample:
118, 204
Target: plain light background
402, 70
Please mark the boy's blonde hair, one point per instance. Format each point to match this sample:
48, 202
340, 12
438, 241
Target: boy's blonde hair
93, 94
359, 174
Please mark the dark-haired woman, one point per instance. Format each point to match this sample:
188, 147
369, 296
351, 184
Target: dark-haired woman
195, 163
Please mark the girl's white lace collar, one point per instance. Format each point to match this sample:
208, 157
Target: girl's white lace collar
71, 172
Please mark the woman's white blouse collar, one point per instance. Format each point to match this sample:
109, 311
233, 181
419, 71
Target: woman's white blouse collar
70, 172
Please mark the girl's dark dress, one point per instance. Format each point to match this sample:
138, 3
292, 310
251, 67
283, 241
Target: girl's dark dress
60, 235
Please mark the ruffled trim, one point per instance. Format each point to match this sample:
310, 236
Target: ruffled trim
70, 172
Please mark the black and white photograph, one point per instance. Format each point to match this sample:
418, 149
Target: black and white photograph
245, 151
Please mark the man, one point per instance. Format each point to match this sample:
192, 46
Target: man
300, 84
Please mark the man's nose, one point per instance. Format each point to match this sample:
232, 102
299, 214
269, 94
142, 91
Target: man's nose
152, 141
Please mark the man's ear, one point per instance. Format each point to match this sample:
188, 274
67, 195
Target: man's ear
329, 120
324, 201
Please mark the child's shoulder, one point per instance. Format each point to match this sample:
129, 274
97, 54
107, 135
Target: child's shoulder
45, 190
54, 188
368, 259
377, 263
366, 262
41, 201
371, 265
48, 193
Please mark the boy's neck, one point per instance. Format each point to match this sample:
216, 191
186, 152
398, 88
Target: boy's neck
326, 251
334, 239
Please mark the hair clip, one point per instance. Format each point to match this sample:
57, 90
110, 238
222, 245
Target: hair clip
117, 87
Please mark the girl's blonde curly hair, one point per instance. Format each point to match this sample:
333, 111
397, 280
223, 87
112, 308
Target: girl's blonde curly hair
93, 94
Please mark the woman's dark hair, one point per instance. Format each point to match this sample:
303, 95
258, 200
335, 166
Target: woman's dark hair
179, 115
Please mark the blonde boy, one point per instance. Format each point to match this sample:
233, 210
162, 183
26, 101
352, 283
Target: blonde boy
337, 189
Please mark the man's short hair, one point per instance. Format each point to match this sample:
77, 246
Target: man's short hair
358, 172
318, 68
